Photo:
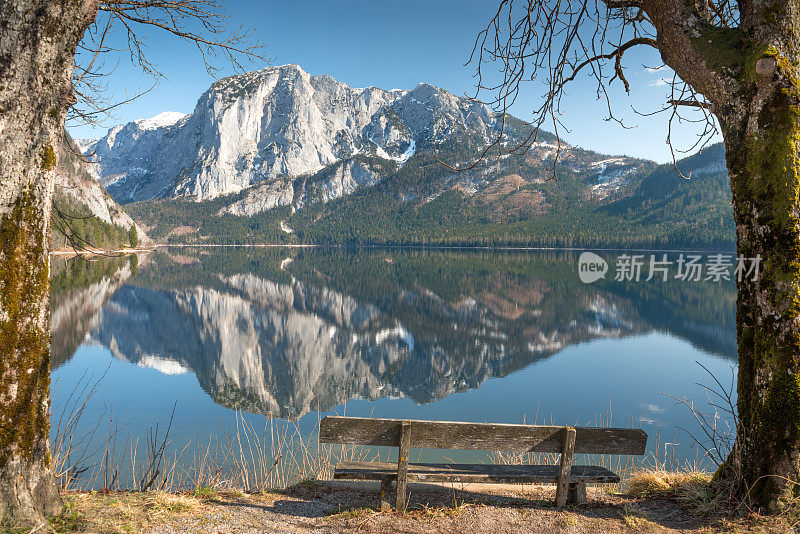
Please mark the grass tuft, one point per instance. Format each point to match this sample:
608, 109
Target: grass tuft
691, 487
206, 492
651, 482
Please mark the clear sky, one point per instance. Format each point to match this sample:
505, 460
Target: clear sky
392, 45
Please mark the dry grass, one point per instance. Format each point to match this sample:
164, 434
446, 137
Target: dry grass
695, 491
683, 484
637, 518
690, 486
243, 459
318, 507
123, 512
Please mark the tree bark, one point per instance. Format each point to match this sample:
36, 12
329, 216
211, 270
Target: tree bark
38, 39
761, 127
763, 156
751, 77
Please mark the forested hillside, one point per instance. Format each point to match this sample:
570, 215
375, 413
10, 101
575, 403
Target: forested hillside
424, 202
84, 215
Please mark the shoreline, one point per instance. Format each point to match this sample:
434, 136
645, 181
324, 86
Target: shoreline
443, 247
101, 252
154, 247
676, 506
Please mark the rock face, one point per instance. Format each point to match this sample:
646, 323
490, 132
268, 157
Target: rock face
277, 122
78, 194
280, 136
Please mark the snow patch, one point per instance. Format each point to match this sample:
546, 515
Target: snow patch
162, 365
402, 158
168, 118
410, 151
285, 228
397, 331
606, 162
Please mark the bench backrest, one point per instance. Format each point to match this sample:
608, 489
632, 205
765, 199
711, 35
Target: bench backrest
480, 436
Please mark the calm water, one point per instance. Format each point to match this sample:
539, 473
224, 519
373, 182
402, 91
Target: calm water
450, 335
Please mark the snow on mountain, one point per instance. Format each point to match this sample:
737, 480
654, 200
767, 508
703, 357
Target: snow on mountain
611, 174
282, 137
84, 145
267, 125
167, 118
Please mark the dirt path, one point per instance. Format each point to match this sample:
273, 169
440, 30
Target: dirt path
349, 507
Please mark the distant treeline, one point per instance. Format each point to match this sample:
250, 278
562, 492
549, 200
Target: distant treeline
659, 209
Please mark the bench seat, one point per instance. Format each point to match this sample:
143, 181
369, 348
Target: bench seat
570, 480
473, 473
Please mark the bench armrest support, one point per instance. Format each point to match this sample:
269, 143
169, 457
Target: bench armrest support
567, 453
402, 465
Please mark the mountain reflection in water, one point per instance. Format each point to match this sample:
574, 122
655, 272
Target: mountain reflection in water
288, 331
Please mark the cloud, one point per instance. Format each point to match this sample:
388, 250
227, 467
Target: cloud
653, 70
654, 408
659, 82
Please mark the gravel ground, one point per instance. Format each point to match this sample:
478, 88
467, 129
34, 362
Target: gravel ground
350, 507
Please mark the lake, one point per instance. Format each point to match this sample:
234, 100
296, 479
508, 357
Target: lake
467, 335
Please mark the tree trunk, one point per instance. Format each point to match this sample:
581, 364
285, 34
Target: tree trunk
763, 156
37, 47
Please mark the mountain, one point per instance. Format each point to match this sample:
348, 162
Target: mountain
270, 126
84, 211
279, 155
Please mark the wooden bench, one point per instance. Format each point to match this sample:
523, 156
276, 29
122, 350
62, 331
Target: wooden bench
570, 479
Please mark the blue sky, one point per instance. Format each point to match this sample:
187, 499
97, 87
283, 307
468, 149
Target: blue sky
391, 45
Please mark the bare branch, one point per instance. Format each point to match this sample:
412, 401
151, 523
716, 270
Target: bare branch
202, 23
552, 43
691, 103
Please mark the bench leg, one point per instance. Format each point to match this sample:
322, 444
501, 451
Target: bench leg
402, 466
577, 493
565, 466
386, 495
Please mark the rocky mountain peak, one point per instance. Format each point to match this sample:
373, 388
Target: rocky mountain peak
271, 124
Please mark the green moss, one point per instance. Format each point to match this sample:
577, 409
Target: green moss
48, 158
774, 13
724, 48
24, 341
765, 180
53, 113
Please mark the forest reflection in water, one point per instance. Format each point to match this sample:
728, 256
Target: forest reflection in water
388, 332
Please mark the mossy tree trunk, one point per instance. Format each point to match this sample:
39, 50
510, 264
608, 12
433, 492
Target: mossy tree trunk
749, 76
761, 127
38, 39
763, 153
